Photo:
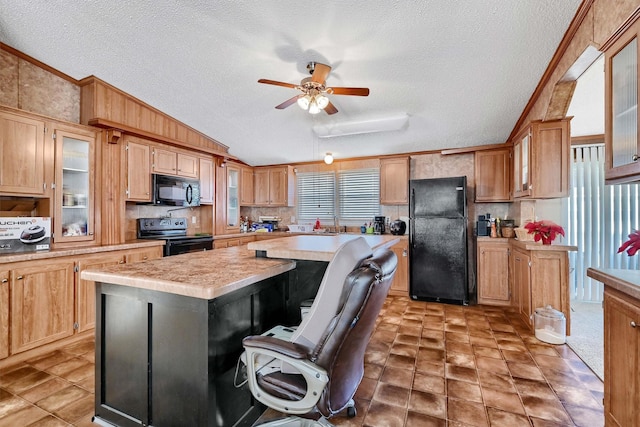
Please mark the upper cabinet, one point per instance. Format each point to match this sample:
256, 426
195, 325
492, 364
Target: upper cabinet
22, 158
621, 104
227, 206
493, 175
394, 181
274, 186
246, 186
138, 171
168, 162
541, 160
207, 180
75, 184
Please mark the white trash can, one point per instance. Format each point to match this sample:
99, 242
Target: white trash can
550, 325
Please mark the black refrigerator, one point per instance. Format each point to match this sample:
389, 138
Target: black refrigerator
438, 240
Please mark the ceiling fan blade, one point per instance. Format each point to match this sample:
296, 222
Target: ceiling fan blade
288, 102
273, 82
358, 91
320, 73
330, 108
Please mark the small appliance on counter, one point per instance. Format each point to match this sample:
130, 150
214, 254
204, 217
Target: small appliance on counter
378, 224
483, 225
24, 234
398, 227
269, 222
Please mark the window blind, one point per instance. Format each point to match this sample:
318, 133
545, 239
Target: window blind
316, 196
359, 194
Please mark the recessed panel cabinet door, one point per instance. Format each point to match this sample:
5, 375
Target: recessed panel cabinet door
41, 304
138, 172
4, 314
21, 155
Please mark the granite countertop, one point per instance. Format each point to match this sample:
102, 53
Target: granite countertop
205, 275
625, 281
528, 245
79, 250
316, 248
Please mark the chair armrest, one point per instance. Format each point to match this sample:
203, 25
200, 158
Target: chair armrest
289, 349
315, 376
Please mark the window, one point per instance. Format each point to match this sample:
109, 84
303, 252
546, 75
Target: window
351, 196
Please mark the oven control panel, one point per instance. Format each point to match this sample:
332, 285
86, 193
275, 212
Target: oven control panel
162, 224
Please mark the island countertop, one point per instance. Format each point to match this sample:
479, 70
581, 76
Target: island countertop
205, 275
625, 281
316, 248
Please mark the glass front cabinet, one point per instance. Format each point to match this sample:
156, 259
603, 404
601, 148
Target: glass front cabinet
233, 197
74, 185
621, 104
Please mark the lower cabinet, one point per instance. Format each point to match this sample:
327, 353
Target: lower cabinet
400, 284
621, 359
493, 273
524, 275
230, 242
44, 301
4, 314
41, 308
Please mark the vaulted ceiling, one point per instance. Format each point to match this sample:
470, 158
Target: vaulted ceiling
460, 71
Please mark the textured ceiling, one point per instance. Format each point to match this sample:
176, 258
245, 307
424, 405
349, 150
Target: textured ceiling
462, 71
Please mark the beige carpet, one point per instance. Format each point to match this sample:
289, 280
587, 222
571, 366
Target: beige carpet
587, 336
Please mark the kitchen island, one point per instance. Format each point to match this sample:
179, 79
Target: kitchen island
169, 332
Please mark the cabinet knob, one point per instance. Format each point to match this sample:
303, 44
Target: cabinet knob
5, 280
121, 261
635, 158
633, 324
19, 278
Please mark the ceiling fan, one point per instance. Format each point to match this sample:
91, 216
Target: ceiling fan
313, 96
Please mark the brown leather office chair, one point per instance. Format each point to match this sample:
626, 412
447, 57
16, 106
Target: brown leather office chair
329, 373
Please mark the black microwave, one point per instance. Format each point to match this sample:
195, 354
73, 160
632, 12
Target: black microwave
175, 191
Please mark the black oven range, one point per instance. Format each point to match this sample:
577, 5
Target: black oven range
174, 232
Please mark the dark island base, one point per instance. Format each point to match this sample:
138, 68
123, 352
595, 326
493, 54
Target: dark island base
170, 360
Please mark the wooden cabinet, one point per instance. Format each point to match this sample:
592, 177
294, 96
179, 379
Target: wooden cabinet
75, 185
493, 272
138, 172
622, 134
246, 186
227, 206
4, 314
207, 181
274, 186
41, 309
394, 181
541, 277
541, 160
621, 359
232, 241
86, 289
169, 162
400, 284
493, 175
22, 158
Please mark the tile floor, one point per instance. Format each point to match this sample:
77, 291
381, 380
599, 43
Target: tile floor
427, 364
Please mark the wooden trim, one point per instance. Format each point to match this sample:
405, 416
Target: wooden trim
103, 123
621, 30
475, 148
581, 14
37, 63
588, 139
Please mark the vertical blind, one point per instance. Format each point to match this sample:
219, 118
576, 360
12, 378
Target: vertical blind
600, 219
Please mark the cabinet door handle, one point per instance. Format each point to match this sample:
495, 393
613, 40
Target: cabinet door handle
633, 324
19, 278
5, 280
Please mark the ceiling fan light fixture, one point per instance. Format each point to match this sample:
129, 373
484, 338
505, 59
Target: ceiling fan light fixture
313, 107
322, 101
303, 102
328, 158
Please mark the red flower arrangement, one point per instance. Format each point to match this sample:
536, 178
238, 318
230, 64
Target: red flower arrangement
632, 245
547, 231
